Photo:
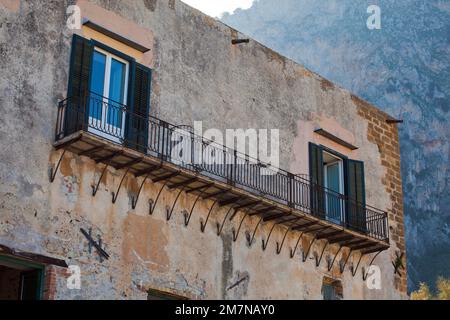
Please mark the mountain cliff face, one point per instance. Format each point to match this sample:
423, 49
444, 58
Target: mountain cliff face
403, 68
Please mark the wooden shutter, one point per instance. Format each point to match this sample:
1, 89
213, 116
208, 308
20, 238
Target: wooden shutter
78, 88
316, 175
355, 185
138, 126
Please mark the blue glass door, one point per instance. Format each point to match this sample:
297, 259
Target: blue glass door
333, 199
116, 93
109, 81
97, 88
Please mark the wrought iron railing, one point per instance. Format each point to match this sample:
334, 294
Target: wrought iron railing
180, 146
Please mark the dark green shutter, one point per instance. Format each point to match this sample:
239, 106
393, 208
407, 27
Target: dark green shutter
138, 125
78, 89
316, 175
355, 185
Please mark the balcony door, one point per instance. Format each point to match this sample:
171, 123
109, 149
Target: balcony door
337, 188
334, 184
108, 98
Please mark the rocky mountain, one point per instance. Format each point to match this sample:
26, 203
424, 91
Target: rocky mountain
403, 68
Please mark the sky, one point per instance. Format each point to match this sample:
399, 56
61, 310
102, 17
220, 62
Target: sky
216, 8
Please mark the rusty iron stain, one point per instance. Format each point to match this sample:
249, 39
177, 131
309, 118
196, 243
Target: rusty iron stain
143, 236
131, 184
66, 169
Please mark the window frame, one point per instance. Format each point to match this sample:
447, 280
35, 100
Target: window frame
138, 95
39, 268
341, 191
335, 285
106, 92
340, 162
106, 87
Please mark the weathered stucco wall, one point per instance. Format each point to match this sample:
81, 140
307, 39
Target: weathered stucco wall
197, 75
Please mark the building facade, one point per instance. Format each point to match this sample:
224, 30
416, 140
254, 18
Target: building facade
104, 180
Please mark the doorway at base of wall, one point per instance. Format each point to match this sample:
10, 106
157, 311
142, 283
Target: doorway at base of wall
20, 280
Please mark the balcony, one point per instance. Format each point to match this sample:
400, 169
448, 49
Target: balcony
109, 132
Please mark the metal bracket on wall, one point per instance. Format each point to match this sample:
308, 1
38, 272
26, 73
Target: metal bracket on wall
330, 265
305, 256
169, 214
187, 217
250, 239
97, 245
342, 266
220, 226
235, 212
353, 269
319, 259
266, 242
134, 200
115, 194
53, 171
152, 203
236, 233
292, 254
96, 186
364, 273
203, 225
280, 246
